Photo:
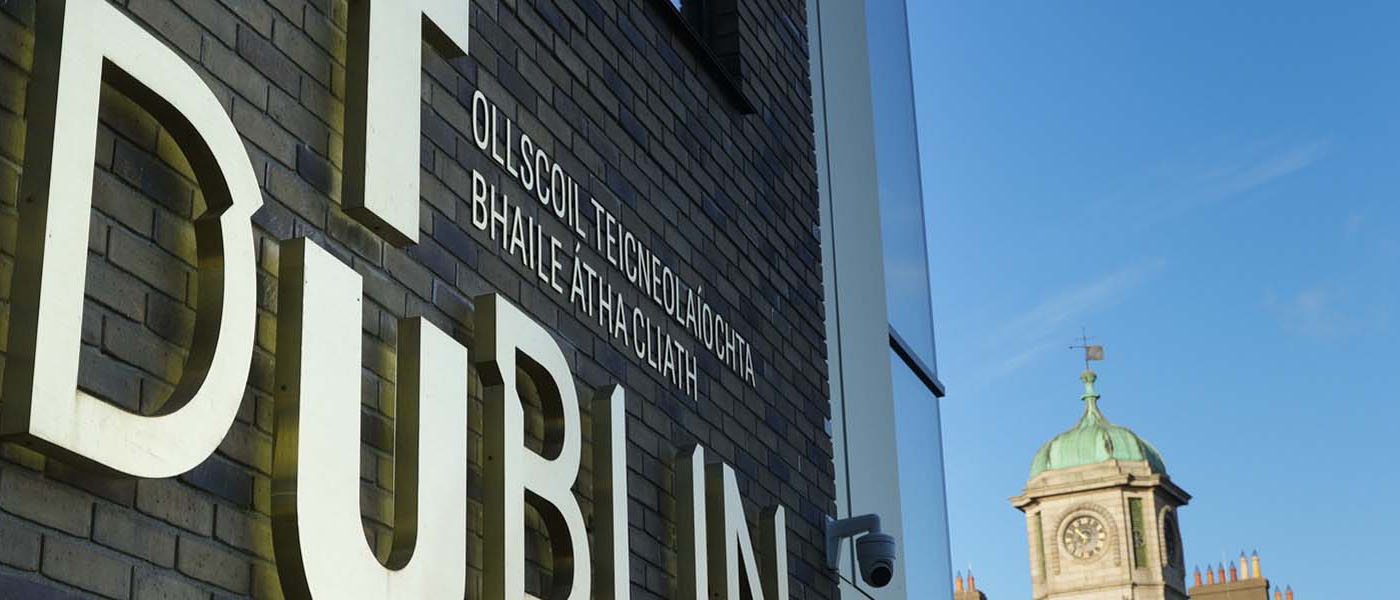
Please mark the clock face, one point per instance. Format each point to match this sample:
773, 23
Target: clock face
1085, 537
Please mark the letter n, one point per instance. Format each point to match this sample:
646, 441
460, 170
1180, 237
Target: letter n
716, 554
730, 547
81, 44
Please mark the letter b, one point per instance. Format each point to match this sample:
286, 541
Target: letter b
507, 340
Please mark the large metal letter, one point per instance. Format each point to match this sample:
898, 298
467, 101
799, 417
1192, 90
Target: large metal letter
610, 493
694, 582
772, 552
507, 340
82, 43
317, 531
383, 118
730, 547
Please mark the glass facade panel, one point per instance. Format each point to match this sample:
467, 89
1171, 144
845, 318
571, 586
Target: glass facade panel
886, 424
928, 565
901, 191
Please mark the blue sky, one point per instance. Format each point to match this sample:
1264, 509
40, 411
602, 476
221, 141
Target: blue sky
1213, 189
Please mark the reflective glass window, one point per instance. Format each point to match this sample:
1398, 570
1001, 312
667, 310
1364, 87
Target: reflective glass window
919, 443
900, 184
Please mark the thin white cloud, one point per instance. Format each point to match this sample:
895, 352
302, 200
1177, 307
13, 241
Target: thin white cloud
1026, 336
1020, 359
1258, 171
1327, 313
1213, 175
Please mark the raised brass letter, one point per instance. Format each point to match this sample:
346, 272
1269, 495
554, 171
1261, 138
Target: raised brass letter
694, 582
610, 493
730, 547
507, 340
317, 531
383, 119
81, 44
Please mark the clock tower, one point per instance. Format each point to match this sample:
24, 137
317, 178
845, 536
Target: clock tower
1101, 515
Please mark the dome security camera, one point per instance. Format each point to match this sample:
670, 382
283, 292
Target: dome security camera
875, 551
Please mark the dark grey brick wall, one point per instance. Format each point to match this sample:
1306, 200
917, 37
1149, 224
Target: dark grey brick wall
727, 200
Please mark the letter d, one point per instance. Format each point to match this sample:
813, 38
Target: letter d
81, 44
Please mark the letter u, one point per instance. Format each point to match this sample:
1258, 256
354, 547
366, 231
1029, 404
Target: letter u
321, 549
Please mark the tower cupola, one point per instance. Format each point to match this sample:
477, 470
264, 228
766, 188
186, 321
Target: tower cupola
1094, 440
1102, 513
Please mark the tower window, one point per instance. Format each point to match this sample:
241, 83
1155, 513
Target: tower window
1040, 545
1139, 536
1172, 540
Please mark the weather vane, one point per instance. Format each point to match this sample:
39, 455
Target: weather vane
1091, 352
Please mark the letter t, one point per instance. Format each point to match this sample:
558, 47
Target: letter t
383, 121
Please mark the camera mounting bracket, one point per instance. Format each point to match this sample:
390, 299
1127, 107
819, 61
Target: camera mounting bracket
837, 530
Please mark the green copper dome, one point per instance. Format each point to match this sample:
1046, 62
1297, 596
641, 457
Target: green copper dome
1094, 440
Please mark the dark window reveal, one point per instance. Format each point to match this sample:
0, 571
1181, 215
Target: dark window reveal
711, 27
717, 23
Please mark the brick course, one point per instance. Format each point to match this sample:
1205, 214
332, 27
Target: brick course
615, 93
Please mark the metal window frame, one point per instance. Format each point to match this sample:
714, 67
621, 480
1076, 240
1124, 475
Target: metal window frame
916, 364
